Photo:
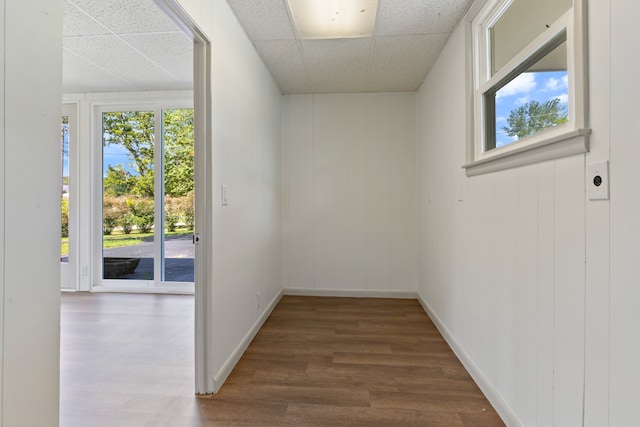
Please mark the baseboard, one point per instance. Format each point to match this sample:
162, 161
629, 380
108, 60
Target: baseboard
231, 362
356, 293
483, 382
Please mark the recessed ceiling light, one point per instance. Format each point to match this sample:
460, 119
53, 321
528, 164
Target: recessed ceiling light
333, 19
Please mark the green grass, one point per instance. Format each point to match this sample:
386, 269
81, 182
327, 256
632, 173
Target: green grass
118, 239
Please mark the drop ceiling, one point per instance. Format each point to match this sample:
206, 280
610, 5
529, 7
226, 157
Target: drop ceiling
123, 45
131, 45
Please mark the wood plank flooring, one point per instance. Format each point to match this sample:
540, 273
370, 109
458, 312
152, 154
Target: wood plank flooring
127, 360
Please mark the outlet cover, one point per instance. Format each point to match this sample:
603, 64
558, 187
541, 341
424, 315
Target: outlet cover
598, 181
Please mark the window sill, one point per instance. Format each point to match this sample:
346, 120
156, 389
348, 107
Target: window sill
568, 144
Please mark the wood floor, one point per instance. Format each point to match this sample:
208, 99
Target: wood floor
127, 360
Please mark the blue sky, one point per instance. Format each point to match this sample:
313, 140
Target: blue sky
116, 154
540, 86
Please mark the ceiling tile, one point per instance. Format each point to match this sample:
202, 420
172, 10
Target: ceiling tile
338, 65
401, 63
284, 60
127, 16
405, 17
122, 60
171, 51
77, 23
79, 75
264, 20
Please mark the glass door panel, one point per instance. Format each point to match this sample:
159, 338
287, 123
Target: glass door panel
64, 204
68, 200
128, 195
178, 251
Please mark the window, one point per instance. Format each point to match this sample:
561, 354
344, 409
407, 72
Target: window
528, 83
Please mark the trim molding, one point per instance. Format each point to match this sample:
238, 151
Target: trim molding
355, 293
481, 380
569, 144
233, 359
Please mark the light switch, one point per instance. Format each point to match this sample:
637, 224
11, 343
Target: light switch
225, 195
460, 192
598, 181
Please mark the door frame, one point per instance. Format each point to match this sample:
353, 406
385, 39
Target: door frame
202, 103
155, 285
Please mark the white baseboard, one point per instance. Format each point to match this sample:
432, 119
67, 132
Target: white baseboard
483, 382
356, 293
231, 362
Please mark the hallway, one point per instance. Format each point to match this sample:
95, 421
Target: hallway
127, 360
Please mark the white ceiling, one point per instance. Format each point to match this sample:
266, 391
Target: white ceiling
123, 45
131, 45
408, 36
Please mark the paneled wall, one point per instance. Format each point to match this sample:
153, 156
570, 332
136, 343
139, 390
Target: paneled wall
30, 92
349, 193
246, 127
625, 216
513, 265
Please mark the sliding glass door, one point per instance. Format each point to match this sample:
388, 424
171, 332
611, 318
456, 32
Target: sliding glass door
147, 198
68, 244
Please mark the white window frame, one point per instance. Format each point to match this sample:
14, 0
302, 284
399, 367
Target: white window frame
155, 285
563, 140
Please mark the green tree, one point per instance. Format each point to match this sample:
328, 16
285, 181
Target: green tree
178, 152
118, 181
134, 131
535, 116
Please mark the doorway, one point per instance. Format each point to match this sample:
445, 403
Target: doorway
145, 233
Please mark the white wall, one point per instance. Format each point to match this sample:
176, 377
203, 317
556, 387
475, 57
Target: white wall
247, 133
30, 215
625, 215
503, 270
349, 194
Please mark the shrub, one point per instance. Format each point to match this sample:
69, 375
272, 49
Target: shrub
172, 213
110, 214
187, 207
65, 217
127, 223
142, 210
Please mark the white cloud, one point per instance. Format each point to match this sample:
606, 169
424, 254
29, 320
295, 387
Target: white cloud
523, 100
565, 80
522, 84
554, 84
563, 98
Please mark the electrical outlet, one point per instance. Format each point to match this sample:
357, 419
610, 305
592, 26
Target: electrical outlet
598, 181
257, 299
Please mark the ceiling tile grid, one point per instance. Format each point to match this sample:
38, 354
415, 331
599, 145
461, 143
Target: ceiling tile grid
120, 59
82, 76
408, 36
264, 20
173, 52
77, 23
123, 45
132, 45
284, 60
337, 65
127, 16
401, 63
416, 17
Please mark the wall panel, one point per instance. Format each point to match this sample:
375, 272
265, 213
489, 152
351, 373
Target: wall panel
350, 189
509, 288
